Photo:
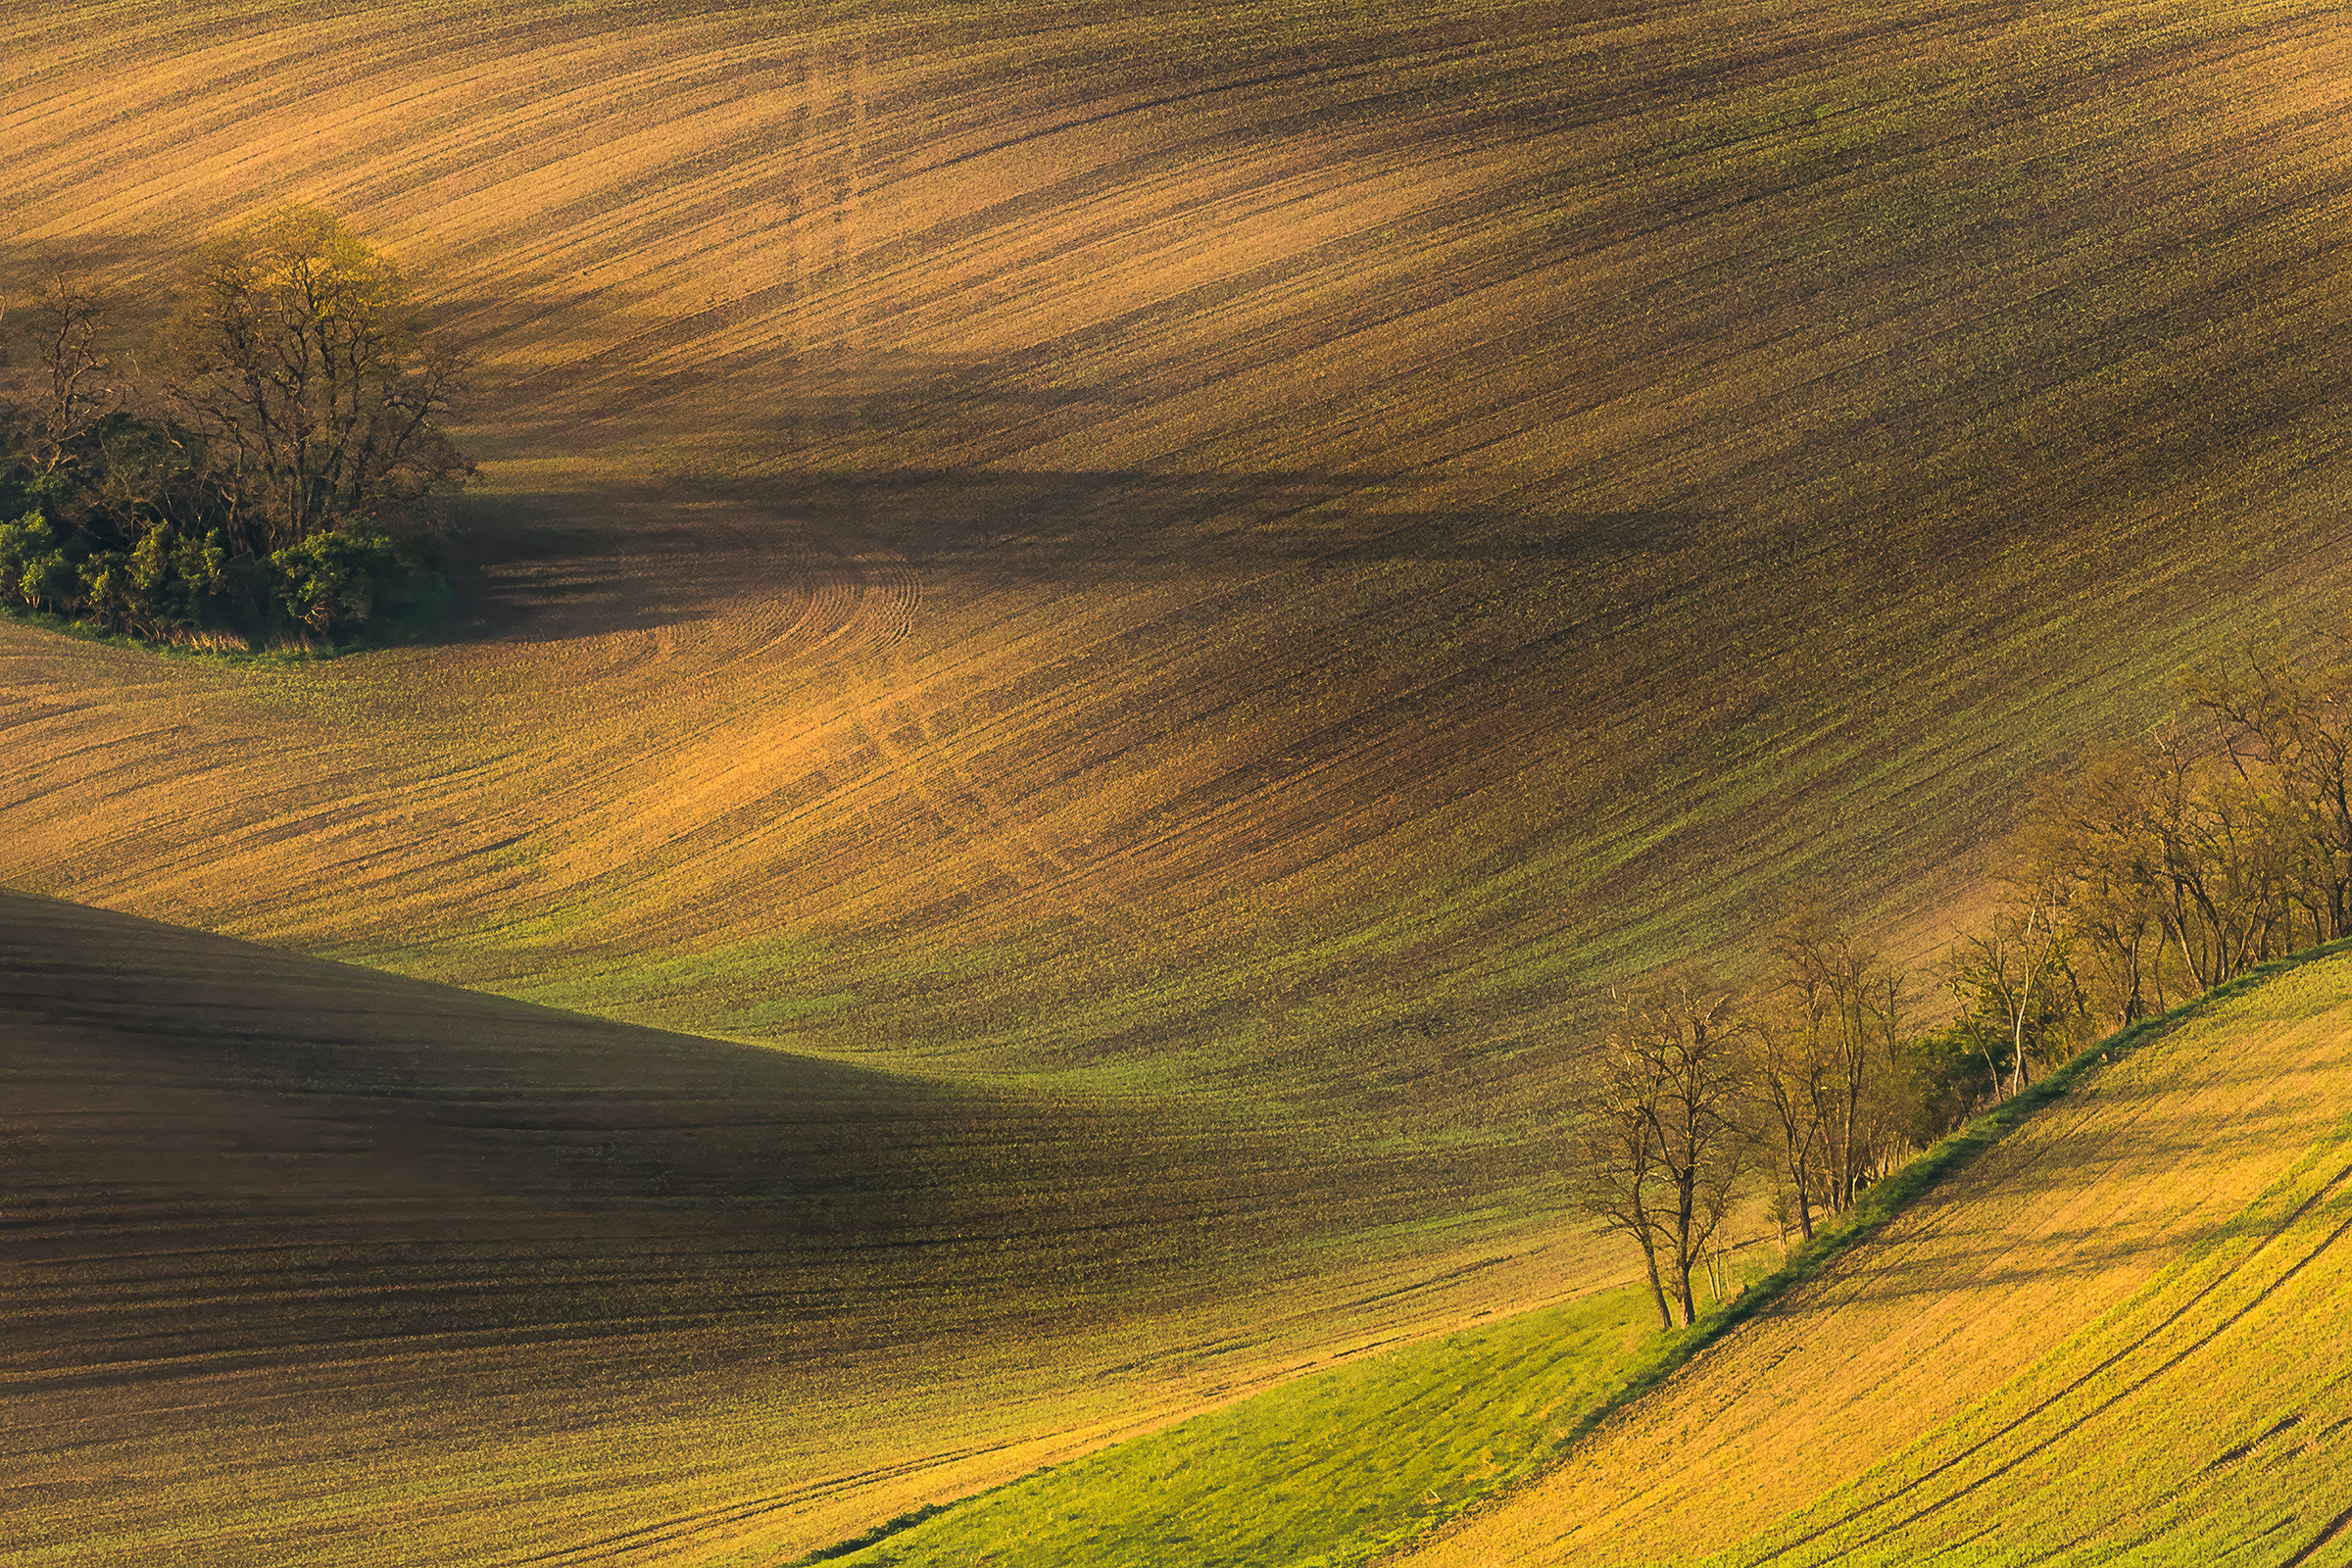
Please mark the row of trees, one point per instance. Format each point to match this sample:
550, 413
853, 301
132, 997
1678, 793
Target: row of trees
1807, 1085
277, 472
2152, 873
2168, 865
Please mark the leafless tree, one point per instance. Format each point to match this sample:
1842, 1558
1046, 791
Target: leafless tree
2013, 969
75, 383
1839, 1004
1657, 1148
1613, 1159
304, 360
2287, 733
1785, 1093
2084, 839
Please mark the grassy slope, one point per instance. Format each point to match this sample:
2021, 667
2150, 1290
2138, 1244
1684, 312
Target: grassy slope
1327, 1470
1224, 563
2083, 1342
1335, 1468
307, 1263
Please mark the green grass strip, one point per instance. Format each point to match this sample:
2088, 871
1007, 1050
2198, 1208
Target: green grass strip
1326, 1470
1888, 1198
1345, 1466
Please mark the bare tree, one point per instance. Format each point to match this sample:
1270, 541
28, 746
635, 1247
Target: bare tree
75, 386
2218, 865
2013, 971
304, 360
1658, 1149
1613, 1158
1786, 1094
2162, 859
1843, 1003
2084, 838
2291, 729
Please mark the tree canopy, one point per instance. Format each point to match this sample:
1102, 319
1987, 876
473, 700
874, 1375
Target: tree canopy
283, 479
303, 360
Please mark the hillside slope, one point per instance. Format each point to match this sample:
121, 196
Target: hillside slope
1220, 566
1264, 545
305, 1263
2117, 1335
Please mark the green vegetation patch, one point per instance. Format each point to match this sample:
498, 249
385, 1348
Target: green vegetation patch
277, 489
1330, 1469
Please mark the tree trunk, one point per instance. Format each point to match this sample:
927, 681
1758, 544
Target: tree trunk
1684, 1215
2017, 1049
1657, 1287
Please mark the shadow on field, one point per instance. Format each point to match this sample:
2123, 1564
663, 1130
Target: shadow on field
1070, 521
424, 1162
536, 567
2145, 1130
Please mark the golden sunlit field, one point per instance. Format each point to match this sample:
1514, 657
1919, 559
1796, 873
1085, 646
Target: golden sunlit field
2118, 1334
1086, 635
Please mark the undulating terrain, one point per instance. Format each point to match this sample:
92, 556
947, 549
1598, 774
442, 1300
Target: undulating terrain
1126, 613
305, 1263
2118, 1336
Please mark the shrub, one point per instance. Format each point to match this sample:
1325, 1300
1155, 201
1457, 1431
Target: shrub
250, 497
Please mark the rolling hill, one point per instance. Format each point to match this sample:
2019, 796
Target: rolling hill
2110, 1332
1227, 566
2117, 1336
1256, 538
308, 1263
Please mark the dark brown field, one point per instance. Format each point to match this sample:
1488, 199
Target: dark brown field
307, 1262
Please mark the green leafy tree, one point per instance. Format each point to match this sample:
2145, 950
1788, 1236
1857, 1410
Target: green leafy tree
330, 579
35, 571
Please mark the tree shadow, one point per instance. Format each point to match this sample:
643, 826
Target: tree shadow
550, 564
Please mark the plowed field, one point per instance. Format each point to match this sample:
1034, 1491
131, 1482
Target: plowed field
2117, 1336
1224, 565
1286, 540
309, 1263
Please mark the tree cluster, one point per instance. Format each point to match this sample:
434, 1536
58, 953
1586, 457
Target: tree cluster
2176, 863
279, 477
1805, 1084
2164, 867
2151, 874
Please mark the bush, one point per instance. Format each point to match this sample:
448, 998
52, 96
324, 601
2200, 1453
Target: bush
330, 580
163, 515
34, 567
